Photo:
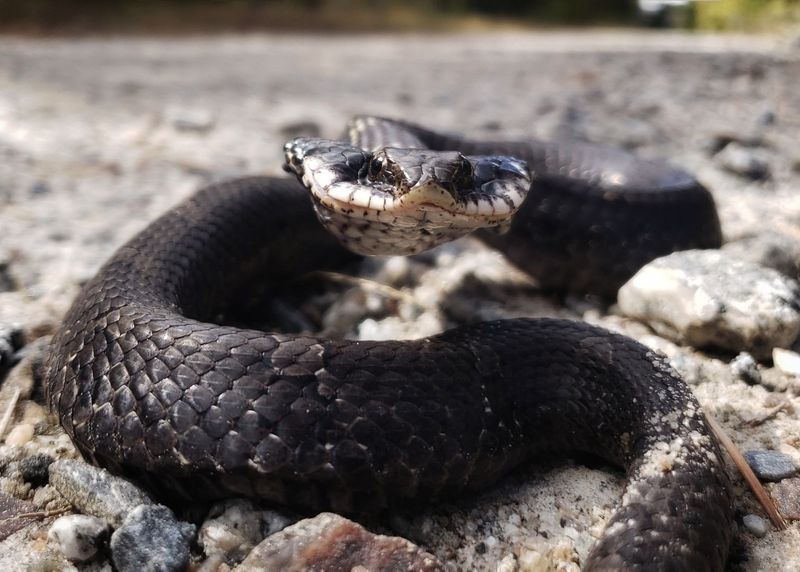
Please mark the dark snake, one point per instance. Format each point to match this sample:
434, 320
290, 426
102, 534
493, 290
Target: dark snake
149, 386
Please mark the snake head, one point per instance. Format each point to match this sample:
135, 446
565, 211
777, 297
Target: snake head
404, 201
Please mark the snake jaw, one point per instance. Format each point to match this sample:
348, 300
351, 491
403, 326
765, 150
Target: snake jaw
403, 201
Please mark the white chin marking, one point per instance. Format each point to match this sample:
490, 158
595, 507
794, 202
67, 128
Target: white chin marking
354, 195
323, 178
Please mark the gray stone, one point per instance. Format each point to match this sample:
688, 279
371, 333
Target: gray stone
720, 140
199, 120
78, 536
96, 491
755, 525
151, 540
34, 470
770, 249
331, 542
40, 188
7, 282
770, 465
749, 162
745, 367
10, 342
707, 298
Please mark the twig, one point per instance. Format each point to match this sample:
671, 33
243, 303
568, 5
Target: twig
43, 513
371, 285
749, 476
9, 412
769, 414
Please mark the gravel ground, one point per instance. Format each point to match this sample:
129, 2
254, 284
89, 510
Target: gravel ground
99, 136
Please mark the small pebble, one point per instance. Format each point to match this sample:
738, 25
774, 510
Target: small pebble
755, 525
766, 117
7, 282
198, 120
745, 367
96, 491
40, 188
34, 469
397, 271
786, 495
151, 538
719, 141
787, 361
79, 536
533, 560
770, 465
751, 163
20, 434
233, 528
507, 564
10, 342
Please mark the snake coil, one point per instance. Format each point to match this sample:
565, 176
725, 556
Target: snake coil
148, 385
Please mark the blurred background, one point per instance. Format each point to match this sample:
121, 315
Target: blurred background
74, 16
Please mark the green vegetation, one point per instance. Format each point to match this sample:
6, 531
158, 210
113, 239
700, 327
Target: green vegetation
750, 15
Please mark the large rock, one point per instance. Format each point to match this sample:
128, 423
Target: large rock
708, 298
331, 542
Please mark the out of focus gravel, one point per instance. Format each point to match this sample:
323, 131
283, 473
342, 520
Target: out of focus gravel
99, 136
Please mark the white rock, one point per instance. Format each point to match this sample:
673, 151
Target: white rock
787, 361
533, 561
233, 530
744, 367
708, 298
78, 536
507, 564
749, 162
20, 434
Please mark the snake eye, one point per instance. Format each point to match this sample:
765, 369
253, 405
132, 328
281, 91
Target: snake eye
377, 166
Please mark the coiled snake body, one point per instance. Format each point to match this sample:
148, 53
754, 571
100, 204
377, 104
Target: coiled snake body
147, 385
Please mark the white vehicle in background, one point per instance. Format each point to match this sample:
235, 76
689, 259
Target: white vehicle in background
666, 13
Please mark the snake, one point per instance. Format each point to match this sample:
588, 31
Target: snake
151, 381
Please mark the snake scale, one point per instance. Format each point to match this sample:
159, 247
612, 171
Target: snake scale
150, 386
